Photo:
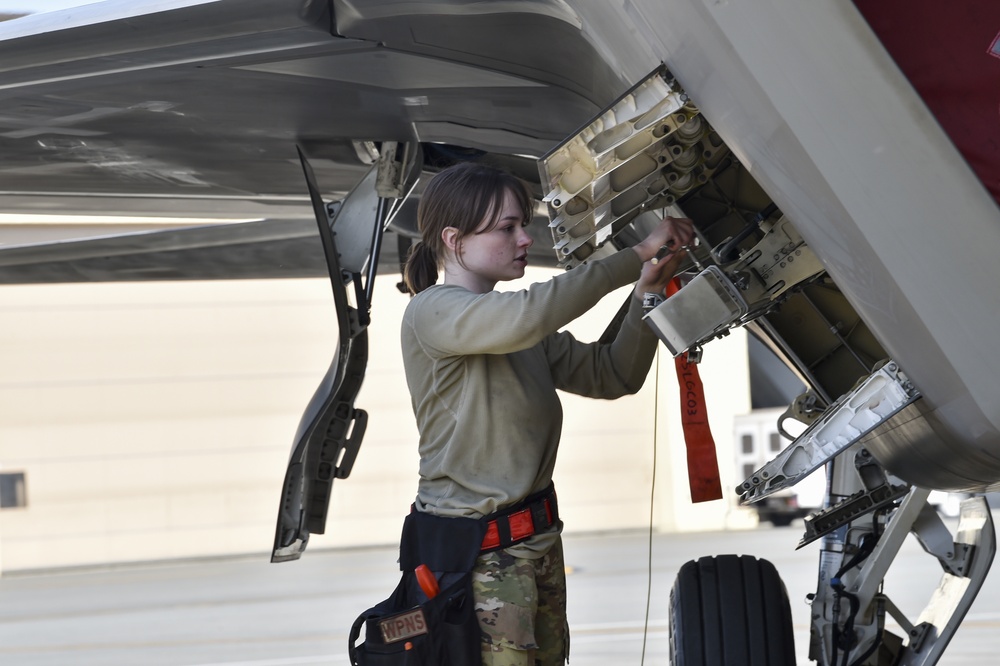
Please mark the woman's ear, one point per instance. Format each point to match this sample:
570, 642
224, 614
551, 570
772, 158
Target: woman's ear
449, 235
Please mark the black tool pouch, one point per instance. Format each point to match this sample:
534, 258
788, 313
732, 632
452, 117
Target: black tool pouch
410, 629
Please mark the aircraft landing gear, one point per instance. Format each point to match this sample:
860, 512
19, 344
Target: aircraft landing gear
850, 607
729, 610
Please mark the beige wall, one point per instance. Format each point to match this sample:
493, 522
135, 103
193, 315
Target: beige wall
154, 421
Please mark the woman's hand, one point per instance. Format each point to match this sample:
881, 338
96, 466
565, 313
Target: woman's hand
665, 243
655, 277
672, 233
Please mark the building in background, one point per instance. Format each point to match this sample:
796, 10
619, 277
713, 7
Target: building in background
151, 421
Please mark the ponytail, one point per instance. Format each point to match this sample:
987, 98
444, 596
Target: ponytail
421, 268
462, 197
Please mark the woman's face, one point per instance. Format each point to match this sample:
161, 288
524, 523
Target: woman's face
501, 253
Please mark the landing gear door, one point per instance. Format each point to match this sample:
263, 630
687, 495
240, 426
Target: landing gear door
331, 429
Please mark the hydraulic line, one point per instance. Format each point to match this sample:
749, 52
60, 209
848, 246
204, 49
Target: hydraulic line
842, 638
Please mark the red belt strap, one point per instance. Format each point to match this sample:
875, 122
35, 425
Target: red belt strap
703, 466
535, 514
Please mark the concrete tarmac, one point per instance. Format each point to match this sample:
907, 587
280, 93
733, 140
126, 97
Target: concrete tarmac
248, 612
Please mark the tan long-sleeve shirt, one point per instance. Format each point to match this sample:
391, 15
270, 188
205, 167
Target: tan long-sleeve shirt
483, 370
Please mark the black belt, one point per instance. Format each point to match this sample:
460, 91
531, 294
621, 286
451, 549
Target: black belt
534, 514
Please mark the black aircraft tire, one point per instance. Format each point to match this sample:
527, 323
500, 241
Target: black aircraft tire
730, 610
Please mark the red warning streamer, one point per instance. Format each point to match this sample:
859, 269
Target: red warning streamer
703, 465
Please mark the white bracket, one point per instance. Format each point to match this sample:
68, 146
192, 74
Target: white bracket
855, 414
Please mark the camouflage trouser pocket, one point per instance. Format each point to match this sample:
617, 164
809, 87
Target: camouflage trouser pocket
521, 606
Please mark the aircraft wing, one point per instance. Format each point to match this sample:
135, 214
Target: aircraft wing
194, 108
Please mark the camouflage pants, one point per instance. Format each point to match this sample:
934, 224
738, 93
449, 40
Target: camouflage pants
521, 605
